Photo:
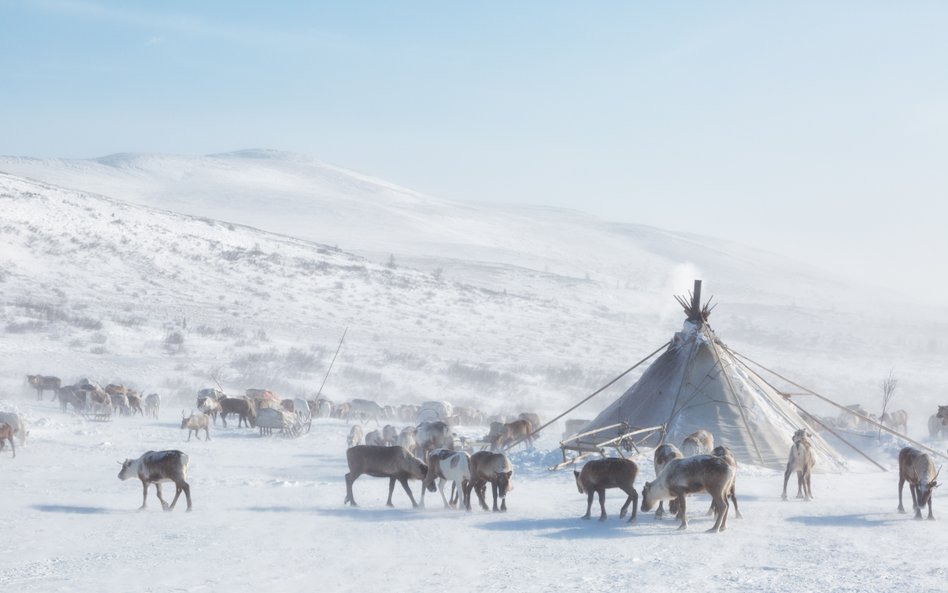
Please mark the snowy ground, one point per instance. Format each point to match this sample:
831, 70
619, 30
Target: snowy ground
268, 513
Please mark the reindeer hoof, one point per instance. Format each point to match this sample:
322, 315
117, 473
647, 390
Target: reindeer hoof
901, 510
602, 518
682, 527
585, 517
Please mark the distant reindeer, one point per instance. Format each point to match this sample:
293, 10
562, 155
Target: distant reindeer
195, 423
41, 384
356, 436
938, 423
801, 461
897, 420
600, 474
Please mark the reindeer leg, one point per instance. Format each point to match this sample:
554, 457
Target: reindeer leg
177, 494
800, 479
404, 482
391, 489
737, 511
635, 503
602, 504
931, 517
660, 511
589, 503
915, 498
441, 489
786, 478
901, 484
144, 495
681, 513
349, 497
164, 505
187, 493
628, 501
494, 491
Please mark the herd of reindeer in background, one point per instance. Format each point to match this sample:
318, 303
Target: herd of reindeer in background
429, 450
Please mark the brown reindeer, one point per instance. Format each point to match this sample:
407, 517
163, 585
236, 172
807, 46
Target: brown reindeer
195, 423
801, 461
512, 432
6, 434
601, 474
394, 463
724, 452
917, 469
494, 468
663, 454
701, 473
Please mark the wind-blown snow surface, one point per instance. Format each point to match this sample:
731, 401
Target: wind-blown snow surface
268, 514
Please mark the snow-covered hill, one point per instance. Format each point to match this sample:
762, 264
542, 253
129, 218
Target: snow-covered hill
503, 308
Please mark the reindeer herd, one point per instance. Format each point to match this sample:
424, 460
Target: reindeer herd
429, 450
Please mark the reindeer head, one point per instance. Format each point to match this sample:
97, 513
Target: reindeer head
503, 483
647, 501
126, 471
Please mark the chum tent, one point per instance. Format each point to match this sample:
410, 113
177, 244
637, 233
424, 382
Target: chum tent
699, 383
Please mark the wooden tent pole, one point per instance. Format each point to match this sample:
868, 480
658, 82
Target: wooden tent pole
592, 395
844, 408
338, 348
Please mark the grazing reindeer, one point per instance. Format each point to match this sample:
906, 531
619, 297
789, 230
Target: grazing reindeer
6, 434
700, 442
355, 436
918, 470
701, 473
494, 468
664, 454
155, 467
41, 384
600, 474
194, 423
801, 461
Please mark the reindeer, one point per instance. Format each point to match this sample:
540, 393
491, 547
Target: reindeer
897, 420
69, 394
374, 438
389, 434
938, 423
152, 405
701, 473
448, 466
211, 407
155, 467
494, 468
512, 432
433, 435
406, 438
600, 474
801, 461
41, 384
663, 454
918, 470
700, 442
194, 423
724, 452
394, 463
355, 436
134, 402
6, 434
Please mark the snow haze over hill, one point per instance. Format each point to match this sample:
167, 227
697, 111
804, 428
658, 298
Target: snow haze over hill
249, 265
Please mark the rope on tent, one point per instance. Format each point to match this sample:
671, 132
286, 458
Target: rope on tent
740, 405
590, 396
844, 408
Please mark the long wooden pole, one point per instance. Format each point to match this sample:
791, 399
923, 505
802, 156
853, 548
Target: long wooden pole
338, 348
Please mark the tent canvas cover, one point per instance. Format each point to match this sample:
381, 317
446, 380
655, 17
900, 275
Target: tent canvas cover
698, 383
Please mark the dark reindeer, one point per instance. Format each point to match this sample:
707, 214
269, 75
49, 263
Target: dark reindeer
155, 467
601, 474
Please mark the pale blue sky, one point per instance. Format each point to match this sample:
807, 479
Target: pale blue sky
817, 130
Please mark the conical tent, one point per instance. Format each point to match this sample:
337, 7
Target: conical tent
698, 383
